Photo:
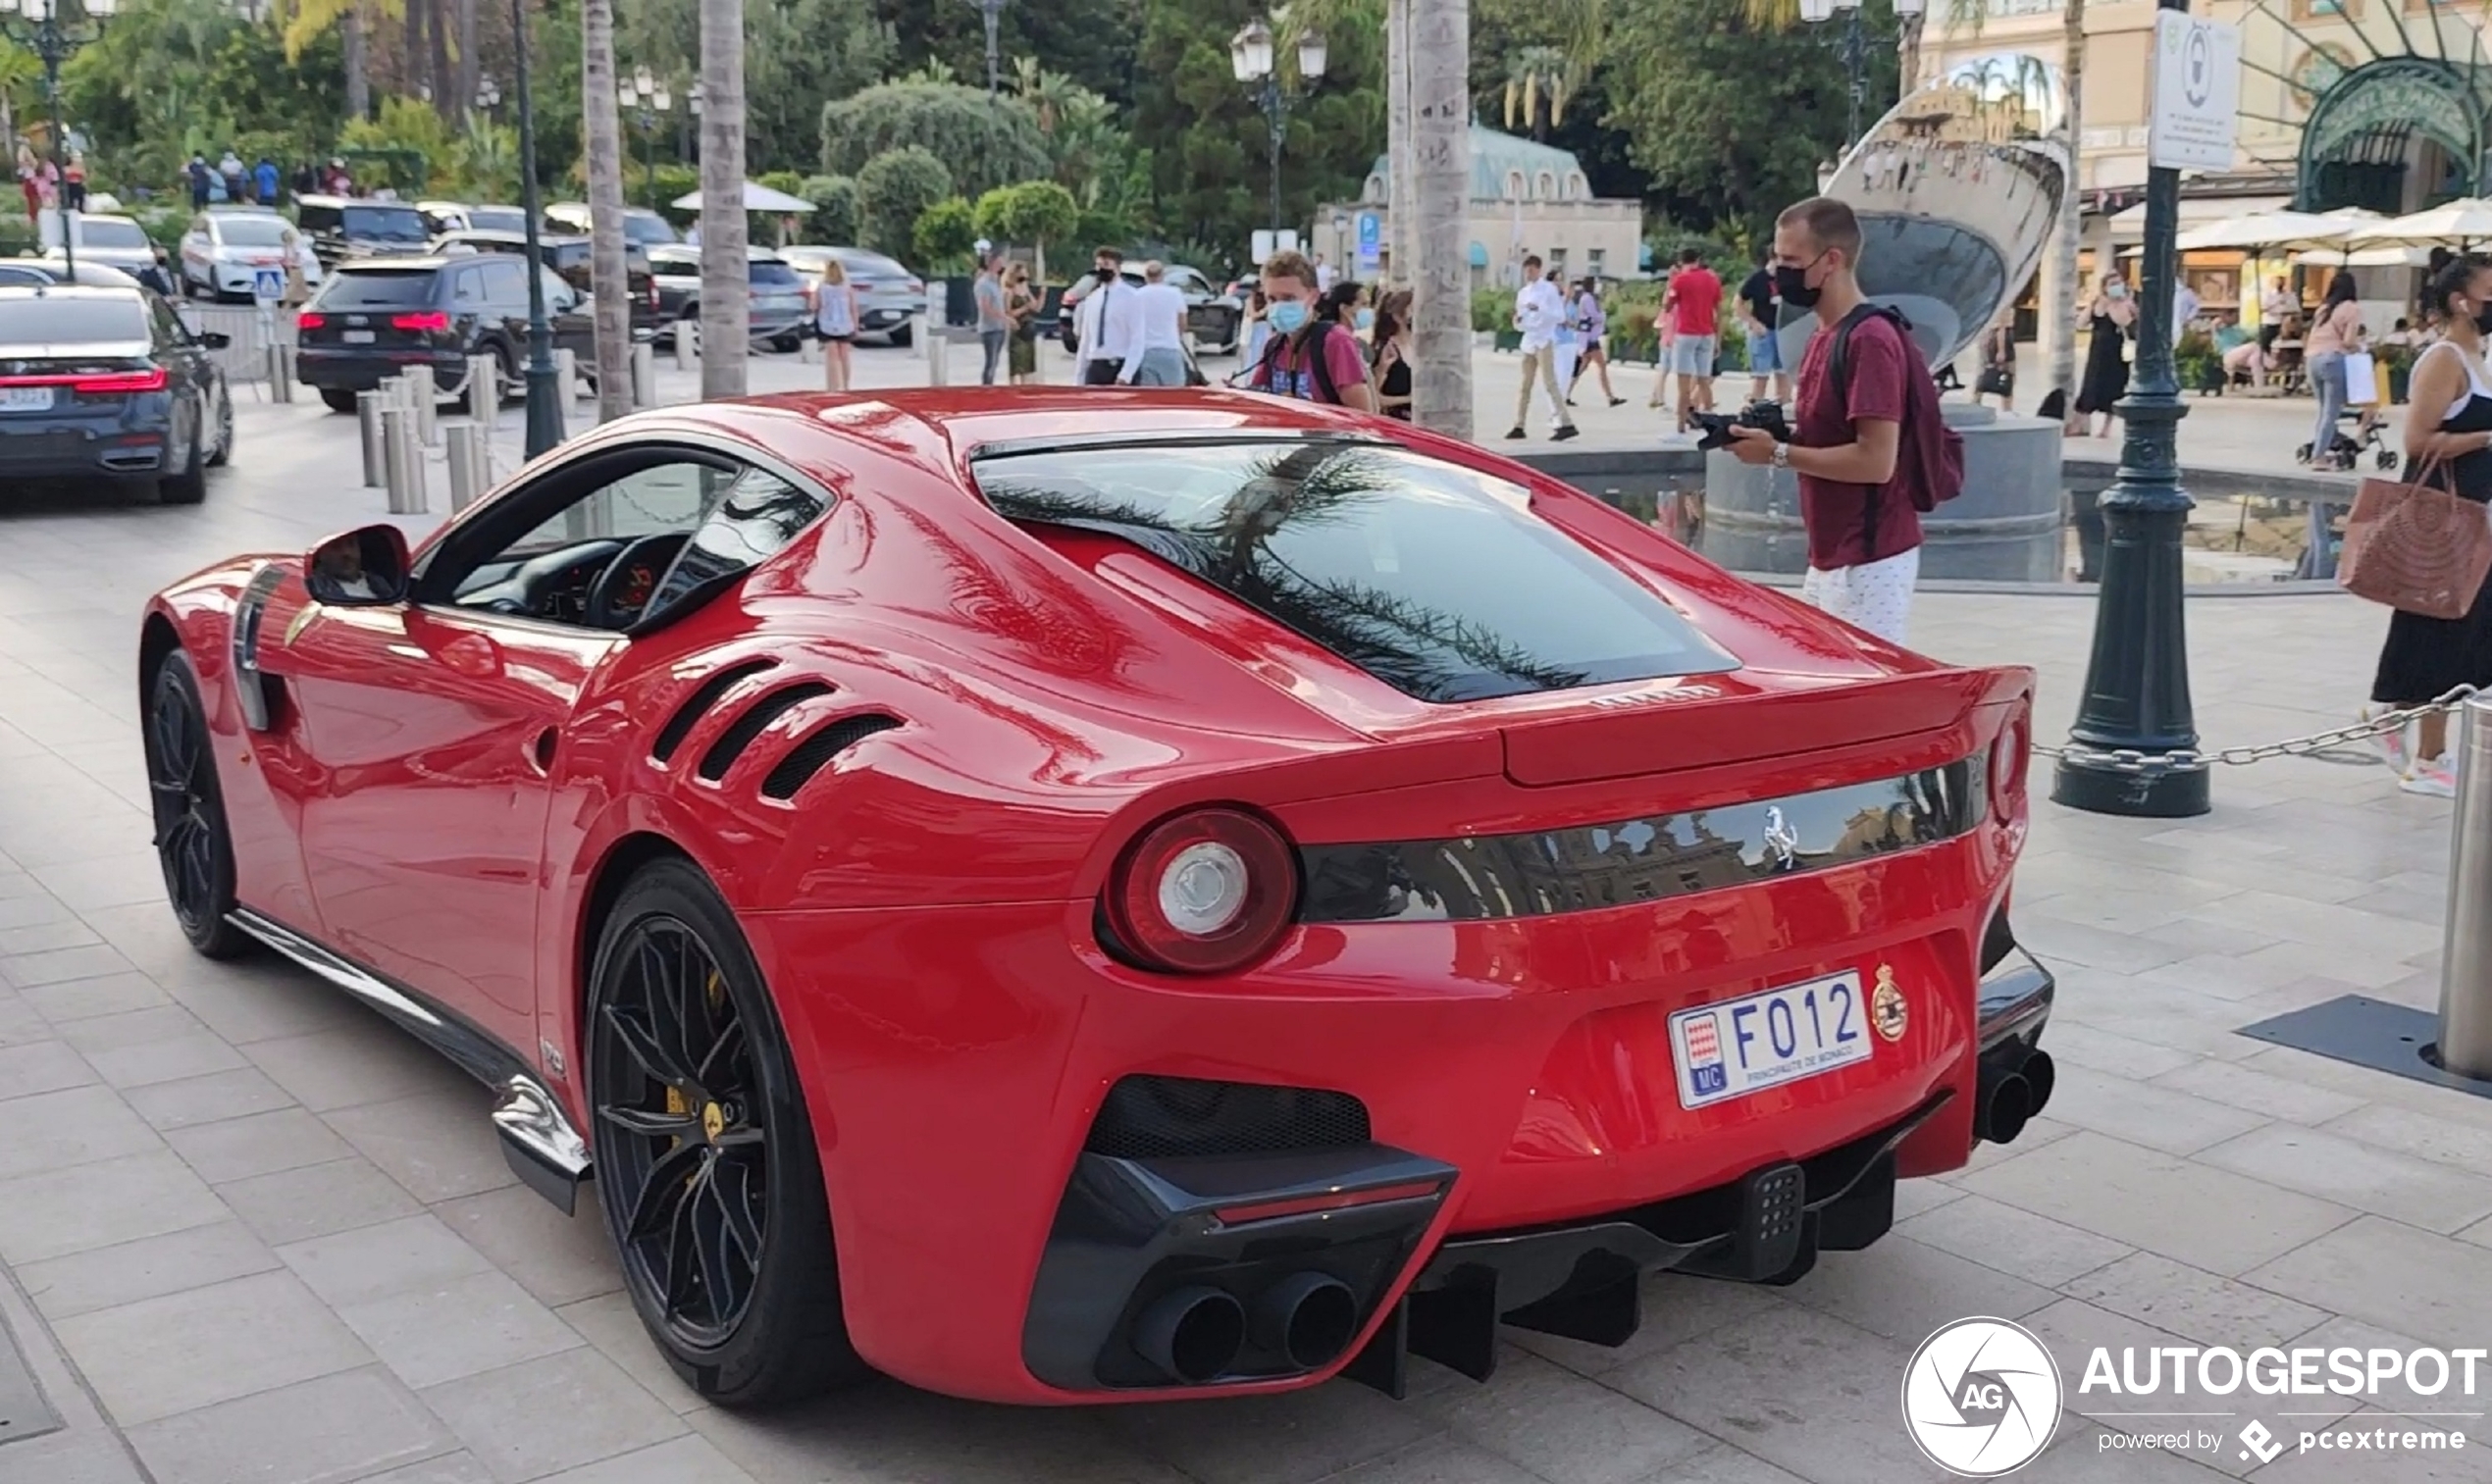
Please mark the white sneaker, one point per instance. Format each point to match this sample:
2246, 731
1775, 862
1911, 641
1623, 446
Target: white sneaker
2431, 777
2391, 744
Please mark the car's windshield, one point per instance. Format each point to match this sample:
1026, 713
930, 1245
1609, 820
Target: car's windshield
368, 288
867, 265
497, 219
105, 232
251, 232
647, 228
778, 276
1436, 578
46, 321
385, 224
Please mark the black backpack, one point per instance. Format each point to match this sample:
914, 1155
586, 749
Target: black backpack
1318, 363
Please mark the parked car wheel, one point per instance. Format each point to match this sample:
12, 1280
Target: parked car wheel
903, 337
337, 401
192, 841
191, 485
706, 1165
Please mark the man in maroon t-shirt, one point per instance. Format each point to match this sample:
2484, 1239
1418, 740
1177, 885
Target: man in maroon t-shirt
1864, 535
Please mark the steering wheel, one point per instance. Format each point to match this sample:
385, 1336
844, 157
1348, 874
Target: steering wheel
522, 590
621, 592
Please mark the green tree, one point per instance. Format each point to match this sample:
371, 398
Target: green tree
893, 190
799, 55
946, 234
1092, 42
989, 141
1729, 117
835, 219
1208, 163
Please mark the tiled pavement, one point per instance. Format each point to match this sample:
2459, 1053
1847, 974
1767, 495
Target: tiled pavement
253, 1234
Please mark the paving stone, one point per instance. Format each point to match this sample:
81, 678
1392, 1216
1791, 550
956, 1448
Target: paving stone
88, 1456
559, 1258
575, 1407
372, 1262
1268, 1440
263, 999
2143, 1113
2198, 1306
459, 1327
78, 1125
2073, 1044
2011, 1241
79, 1000
1439, 1460
2081, 1457
1558, 1425
2421, 1135
92, 1205
886, 1432
238, 1148
42, 938
1676, 1308
292, 1206
459, 1467
150, 1267
128, 1028
680, 1460
609, 1322
168, 1060
29, 971
1725, 1464
42, 1066
368, 1062
2360, 1175
2259, 1092
2189, 1212
2392, 1276
1904, 1291
193, 1101
439, 1147
160, 1356
324, 1432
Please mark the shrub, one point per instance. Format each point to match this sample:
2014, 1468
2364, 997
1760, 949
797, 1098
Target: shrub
988, 141
893, 190
835, 219
1035, 212
946, 236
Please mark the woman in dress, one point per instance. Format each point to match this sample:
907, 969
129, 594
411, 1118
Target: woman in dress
2425, 658
1020, 306
1389, 365
835, 321
2106, 369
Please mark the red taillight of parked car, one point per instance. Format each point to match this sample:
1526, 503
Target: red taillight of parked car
310, 319
429, 322
119, 382
2010, 759
1207, 892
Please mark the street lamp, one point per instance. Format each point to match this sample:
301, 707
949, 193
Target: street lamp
37, 24
489, 95
646, 99
1855, 48
1250, 57
993, 11
2134, 747
544, 400
685, 143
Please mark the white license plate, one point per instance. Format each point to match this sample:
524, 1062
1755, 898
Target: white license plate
357, 338
25, 399
1745, 1045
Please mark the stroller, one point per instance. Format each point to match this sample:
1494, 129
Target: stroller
2368, 436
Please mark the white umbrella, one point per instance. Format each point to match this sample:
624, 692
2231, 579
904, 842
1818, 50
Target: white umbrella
2460, 221
2370, 257
2265, 230
756, 197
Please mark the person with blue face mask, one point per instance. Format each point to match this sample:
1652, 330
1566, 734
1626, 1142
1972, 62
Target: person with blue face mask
1310, 356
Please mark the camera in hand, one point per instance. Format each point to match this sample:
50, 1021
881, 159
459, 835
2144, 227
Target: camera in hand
1764, 415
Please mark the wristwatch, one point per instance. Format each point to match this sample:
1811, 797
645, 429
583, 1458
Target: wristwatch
1782, 455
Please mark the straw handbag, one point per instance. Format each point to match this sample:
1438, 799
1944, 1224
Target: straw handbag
2419, 547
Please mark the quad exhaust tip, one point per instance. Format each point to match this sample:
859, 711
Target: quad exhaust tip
2009, 1103
1193, 1334
1310, 1318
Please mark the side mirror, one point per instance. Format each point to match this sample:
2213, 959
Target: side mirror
216, 339
361, 569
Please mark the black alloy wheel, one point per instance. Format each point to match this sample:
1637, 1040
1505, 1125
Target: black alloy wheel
192, 843
706, 1164
224, 428
191, 485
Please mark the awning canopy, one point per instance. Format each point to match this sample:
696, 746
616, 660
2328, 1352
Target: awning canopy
756, 197
2463, 221
2196, 211
2266, 230
2370, 257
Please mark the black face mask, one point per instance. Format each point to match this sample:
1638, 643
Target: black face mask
1792, 285
2483, 317
1103, 275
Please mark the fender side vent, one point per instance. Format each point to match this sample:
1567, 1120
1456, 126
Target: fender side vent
740, 734
1182, 1117
697, 705
813, 753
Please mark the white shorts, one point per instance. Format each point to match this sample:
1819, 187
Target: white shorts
1877, 597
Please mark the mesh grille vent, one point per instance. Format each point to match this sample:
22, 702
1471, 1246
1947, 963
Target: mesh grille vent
697, 705
815, 752
739, 736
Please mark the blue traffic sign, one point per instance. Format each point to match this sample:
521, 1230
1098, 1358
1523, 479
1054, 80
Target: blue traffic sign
1371, 235
268, 284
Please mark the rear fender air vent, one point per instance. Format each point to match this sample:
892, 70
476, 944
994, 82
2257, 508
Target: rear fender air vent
697, 705
1170, 1117
761, 713
815, 752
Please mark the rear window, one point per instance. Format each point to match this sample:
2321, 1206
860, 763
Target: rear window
253, 231
866, 265
385, 288
97, 233
71, 321
775, 275
385, 223
647, 228
497, 219
1435, 578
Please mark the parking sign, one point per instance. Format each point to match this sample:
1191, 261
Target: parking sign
267, 286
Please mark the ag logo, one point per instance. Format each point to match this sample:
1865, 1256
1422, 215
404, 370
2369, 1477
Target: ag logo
1981, 1398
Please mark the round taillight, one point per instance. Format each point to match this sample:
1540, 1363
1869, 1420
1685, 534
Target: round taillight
1207, 892
2009, 757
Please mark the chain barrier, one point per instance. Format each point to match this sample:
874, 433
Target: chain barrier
2323, 745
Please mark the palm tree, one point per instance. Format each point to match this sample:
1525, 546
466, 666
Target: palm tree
1537, 73
307, 21
726, 279
609, 276
20, 83
1440, 207
1398, 135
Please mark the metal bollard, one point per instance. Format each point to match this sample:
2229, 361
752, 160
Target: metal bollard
463, 447
281, 372
687, 345
369, 406
484, 386
938, 352
566, 377
398, 437
425, 394
643, 373
2465, 956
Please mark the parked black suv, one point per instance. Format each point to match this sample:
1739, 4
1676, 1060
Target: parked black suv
350, 226
640, 225
568, 256
375, 318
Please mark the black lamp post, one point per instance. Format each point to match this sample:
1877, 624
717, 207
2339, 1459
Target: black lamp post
993, 11
544, 397
646, 100
2136, 697
37, 24
1251, 58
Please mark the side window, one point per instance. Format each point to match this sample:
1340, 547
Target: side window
758, 516
549, 571
467, 290
167, 325
505, 281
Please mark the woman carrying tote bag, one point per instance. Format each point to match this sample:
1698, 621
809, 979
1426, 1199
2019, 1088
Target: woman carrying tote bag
2425, 657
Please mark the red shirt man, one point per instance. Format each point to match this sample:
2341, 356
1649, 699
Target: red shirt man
1695, 300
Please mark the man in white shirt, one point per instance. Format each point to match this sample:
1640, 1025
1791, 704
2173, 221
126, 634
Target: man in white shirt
1109, 321
1325, 275
1538, 310
2185, 305
1156, 356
